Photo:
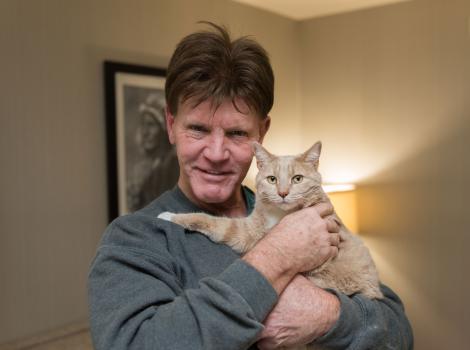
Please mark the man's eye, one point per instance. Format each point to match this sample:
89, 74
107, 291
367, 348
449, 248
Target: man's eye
197, 128
296, 179
272, 179
240, 133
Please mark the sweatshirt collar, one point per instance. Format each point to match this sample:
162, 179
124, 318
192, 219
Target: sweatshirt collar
185, 205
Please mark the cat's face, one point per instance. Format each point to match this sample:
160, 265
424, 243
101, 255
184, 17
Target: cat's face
288, 182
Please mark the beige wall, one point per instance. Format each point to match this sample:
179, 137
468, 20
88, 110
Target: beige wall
53, 178
388, 92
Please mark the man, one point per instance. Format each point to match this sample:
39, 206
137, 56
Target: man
154, 285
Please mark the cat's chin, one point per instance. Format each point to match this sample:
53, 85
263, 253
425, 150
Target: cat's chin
286, 206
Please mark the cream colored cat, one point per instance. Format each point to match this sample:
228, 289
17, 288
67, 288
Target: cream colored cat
285, 184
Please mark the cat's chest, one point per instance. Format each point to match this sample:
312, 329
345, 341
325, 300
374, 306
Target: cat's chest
272, 217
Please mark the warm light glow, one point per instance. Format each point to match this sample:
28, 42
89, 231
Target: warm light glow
343, 198
333, 188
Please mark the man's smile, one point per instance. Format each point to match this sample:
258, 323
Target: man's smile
213, 175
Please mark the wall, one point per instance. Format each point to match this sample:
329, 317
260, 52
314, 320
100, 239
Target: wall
52, 146
387, 91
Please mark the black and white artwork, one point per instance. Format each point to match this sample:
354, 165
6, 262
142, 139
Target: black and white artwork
141, 162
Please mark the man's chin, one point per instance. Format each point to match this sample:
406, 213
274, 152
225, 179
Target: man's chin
210, 192
215, 195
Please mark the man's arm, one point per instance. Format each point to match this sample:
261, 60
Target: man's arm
370, 324
305, 313
137, 301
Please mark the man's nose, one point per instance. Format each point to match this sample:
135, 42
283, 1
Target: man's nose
216, 150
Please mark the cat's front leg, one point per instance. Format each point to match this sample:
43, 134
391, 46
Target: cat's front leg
200, 222
219, 229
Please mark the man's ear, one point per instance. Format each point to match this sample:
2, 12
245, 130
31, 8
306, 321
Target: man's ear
265, 123
312, 155
170, 121
261, 154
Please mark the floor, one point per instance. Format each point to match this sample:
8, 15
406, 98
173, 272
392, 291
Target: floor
79, 341
74, 337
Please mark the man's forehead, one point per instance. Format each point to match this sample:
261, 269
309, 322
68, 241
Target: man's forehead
226, 112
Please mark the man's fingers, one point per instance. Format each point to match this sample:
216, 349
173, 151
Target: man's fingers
265, 344
267, 341
334, 252
331, 225
324, 209
335, 239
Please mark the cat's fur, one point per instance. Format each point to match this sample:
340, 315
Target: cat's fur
352, 271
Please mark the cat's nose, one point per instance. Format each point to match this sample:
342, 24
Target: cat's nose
283, 194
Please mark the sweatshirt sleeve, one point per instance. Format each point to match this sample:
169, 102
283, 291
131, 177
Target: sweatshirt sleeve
137, 302
370, 324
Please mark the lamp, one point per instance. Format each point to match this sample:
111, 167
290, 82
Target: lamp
343, 198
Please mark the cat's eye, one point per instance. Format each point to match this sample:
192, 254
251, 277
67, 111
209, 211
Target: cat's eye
271, 179
297, 179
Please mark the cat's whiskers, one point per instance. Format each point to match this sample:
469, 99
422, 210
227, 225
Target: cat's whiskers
313, 188
269, 198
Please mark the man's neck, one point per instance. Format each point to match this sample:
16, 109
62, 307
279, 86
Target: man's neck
234, 207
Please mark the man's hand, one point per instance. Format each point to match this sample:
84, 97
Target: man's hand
300, 242
304, 312
306, 238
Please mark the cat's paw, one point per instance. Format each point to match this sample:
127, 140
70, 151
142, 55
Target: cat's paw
166, 215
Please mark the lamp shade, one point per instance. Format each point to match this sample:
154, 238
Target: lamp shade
343, 198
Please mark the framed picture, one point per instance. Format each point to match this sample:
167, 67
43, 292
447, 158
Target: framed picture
141, 162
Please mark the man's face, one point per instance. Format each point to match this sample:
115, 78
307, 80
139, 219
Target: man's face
214, 149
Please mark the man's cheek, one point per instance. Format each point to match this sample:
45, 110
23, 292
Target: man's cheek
188, 151
243, 153
246, 157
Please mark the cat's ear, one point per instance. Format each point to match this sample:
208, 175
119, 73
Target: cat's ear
261, 154
312, 155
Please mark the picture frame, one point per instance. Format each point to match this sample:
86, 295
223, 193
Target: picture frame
141, 163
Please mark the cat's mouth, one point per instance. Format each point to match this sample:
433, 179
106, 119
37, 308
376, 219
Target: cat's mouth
286, 204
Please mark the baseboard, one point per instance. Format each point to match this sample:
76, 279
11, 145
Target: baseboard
47, 337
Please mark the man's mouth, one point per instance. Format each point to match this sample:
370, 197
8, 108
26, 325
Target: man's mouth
214, 172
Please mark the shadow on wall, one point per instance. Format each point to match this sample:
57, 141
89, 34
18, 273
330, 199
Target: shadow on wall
415, 218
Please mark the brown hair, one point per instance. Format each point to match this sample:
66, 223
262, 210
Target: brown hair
207, 65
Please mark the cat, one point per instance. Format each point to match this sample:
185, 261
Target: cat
285, 184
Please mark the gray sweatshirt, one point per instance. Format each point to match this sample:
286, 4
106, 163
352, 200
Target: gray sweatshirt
155, 285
